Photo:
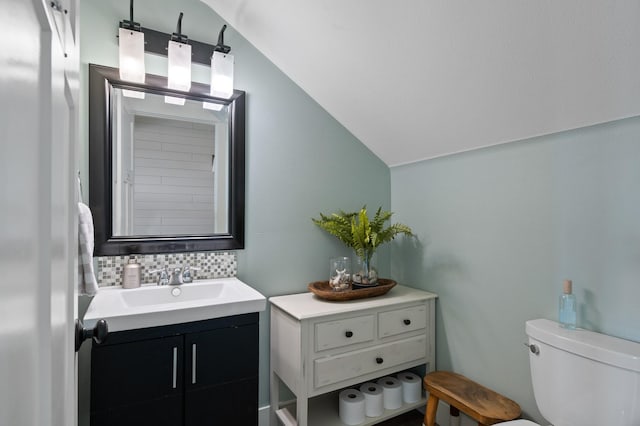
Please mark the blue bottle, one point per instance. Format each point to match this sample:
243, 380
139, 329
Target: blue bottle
567, 313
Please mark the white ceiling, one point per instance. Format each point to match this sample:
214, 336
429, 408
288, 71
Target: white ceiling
417, 79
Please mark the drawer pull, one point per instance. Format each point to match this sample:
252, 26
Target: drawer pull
379, 360
193, 363
348, 334
407, 322
174, 373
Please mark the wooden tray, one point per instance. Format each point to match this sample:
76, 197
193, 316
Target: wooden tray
323, 290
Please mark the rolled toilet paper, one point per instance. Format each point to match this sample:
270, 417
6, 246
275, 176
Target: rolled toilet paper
411, 387
351, 407
391, 392
373, 403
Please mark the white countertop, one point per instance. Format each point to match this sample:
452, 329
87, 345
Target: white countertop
307, 305
152, 306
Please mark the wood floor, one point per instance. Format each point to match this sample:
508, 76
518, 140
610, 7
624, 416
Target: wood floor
412, 418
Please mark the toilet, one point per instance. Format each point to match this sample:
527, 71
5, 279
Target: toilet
582, 378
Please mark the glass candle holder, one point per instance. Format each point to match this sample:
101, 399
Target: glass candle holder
340, 273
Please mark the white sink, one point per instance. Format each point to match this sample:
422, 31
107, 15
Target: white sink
151, 305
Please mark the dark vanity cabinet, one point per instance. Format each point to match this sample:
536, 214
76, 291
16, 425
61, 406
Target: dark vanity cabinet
193, 374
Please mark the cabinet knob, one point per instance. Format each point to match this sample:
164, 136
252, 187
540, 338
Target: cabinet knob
407, 322
348, 333
379, 360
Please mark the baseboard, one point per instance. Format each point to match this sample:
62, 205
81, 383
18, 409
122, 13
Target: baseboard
263, 415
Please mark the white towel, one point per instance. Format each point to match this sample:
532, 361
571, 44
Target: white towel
87, 283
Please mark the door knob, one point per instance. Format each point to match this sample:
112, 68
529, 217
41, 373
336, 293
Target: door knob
99, 332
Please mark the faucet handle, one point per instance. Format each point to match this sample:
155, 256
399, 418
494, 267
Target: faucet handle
186, 273
163, 277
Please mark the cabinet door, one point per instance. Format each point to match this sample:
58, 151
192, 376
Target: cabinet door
229, 404
138, 383
222, 377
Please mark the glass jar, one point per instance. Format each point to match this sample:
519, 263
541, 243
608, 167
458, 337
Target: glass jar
340, 273
365, 273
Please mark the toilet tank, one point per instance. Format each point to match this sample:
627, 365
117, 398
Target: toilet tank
583, 378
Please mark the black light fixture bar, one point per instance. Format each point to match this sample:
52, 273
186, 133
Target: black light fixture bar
156, 42
178, 36
130, 24
221, 47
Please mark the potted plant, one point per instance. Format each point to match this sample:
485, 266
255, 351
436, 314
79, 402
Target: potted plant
363, 235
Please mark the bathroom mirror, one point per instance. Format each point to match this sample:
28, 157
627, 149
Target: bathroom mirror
166, 168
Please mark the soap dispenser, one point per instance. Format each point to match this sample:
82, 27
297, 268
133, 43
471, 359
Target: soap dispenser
567, 312
131, 274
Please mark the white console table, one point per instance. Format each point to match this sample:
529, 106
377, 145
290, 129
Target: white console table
319, 347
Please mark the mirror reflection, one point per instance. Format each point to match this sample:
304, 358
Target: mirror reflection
166, 168
170, 165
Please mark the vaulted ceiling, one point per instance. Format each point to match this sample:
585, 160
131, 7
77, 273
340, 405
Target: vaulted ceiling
418, 79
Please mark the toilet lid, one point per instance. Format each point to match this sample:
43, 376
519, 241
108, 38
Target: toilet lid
518, 423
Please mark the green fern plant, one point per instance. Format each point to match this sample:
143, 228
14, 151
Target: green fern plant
360, 233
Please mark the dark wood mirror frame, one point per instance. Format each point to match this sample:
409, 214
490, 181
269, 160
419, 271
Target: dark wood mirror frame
101, 79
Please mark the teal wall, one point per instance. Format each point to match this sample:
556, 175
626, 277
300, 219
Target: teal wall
500, 228
300, 161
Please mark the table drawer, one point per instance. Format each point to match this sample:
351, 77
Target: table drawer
402, 320
344, 332
346, 366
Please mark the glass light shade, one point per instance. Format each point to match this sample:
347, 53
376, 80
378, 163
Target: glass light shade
212, 106
132, 94
179, 74
173, 100
221, 75
131, 55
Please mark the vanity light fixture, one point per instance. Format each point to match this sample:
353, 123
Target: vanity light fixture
181, 52
179, 73
221, 69
131, 52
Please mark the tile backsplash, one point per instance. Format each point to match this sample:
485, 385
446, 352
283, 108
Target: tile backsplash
210, 265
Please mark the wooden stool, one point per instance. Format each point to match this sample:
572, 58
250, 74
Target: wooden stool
481, 404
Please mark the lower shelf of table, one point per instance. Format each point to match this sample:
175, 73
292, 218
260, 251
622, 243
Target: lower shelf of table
323, 411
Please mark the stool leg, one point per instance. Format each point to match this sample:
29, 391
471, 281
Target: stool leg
430, 414
454, 416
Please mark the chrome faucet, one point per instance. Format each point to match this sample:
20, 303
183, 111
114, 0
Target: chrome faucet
176, 277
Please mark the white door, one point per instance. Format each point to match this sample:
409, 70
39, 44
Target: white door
38, 243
